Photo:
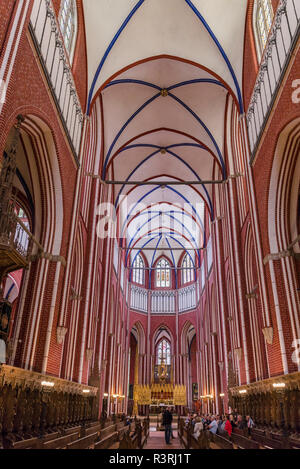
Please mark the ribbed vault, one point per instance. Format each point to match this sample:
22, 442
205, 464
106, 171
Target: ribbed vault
164, 72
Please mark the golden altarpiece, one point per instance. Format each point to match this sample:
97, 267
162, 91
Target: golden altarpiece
162, 391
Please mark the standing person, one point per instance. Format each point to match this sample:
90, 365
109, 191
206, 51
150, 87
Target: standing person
240, 423
250, 424
167, 423
232, 421
228, 426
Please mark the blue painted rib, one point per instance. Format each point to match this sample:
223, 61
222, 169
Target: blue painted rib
185, 106
198, 178
205, 128
111, 45
193, 209
147, 242
157, 214
183, 248
166, 235
187, 252
153, 257
173, 190
137, 231
174, 263
181, 160
140, 109
9, 291
197, 80
138, 202
223, 53
132, 173
176, 212
132, 81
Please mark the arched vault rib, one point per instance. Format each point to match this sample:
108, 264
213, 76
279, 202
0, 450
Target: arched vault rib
205, 24
168, 151
174, 191
171, 216
187, 108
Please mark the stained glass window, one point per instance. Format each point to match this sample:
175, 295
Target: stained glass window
138, 275
187, 270
263, 22
163, 353
68, 23
163, 274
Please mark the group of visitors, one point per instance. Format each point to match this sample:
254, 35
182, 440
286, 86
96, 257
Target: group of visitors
219, 424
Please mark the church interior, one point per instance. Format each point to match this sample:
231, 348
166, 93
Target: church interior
149, 224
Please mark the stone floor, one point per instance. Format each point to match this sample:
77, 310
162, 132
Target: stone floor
156, 440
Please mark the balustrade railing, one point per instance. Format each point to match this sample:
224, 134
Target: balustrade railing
163, 301
281, 42
13, 234
187, 298
49, 43
139, 299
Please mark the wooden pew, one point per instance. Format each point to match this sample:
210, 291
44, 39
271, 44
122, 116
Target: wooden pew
87, 442
107, 442
88, 437
272, 443
294, 443
134, 436
70, 430
221, 441
145, 432
203, 442
266, 440
244, 443
34, 443
184, 437
182, 433
62, 442
104, 432
109, 436
90, 430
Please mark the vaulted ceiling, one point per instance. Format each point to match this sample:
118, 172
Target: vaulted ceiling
164, 69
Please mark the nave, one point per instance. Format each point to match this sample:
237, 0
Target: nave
149, 223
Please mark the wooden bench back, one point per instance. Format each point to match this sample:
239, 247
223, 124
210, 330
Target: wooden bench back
71, 430
61, 442
86, 442
26, 444
221, 441
244, 443
106, 442
91, 430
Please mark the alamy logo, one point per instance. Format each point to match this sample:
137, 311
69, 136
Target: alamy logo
2, 91
296, 354
296, 93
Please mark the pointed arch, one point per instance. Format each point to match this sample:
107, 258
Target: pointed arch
163, 273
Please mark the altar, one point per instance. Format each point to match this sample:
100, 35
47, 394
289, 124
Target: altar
162, 392
159, 395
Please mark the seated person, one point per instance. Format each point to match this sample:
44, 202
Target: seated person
198, 428
213, 426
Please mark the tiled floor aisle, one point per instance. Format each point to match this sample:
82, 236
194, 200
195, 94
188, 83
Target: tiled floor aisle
156, 440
